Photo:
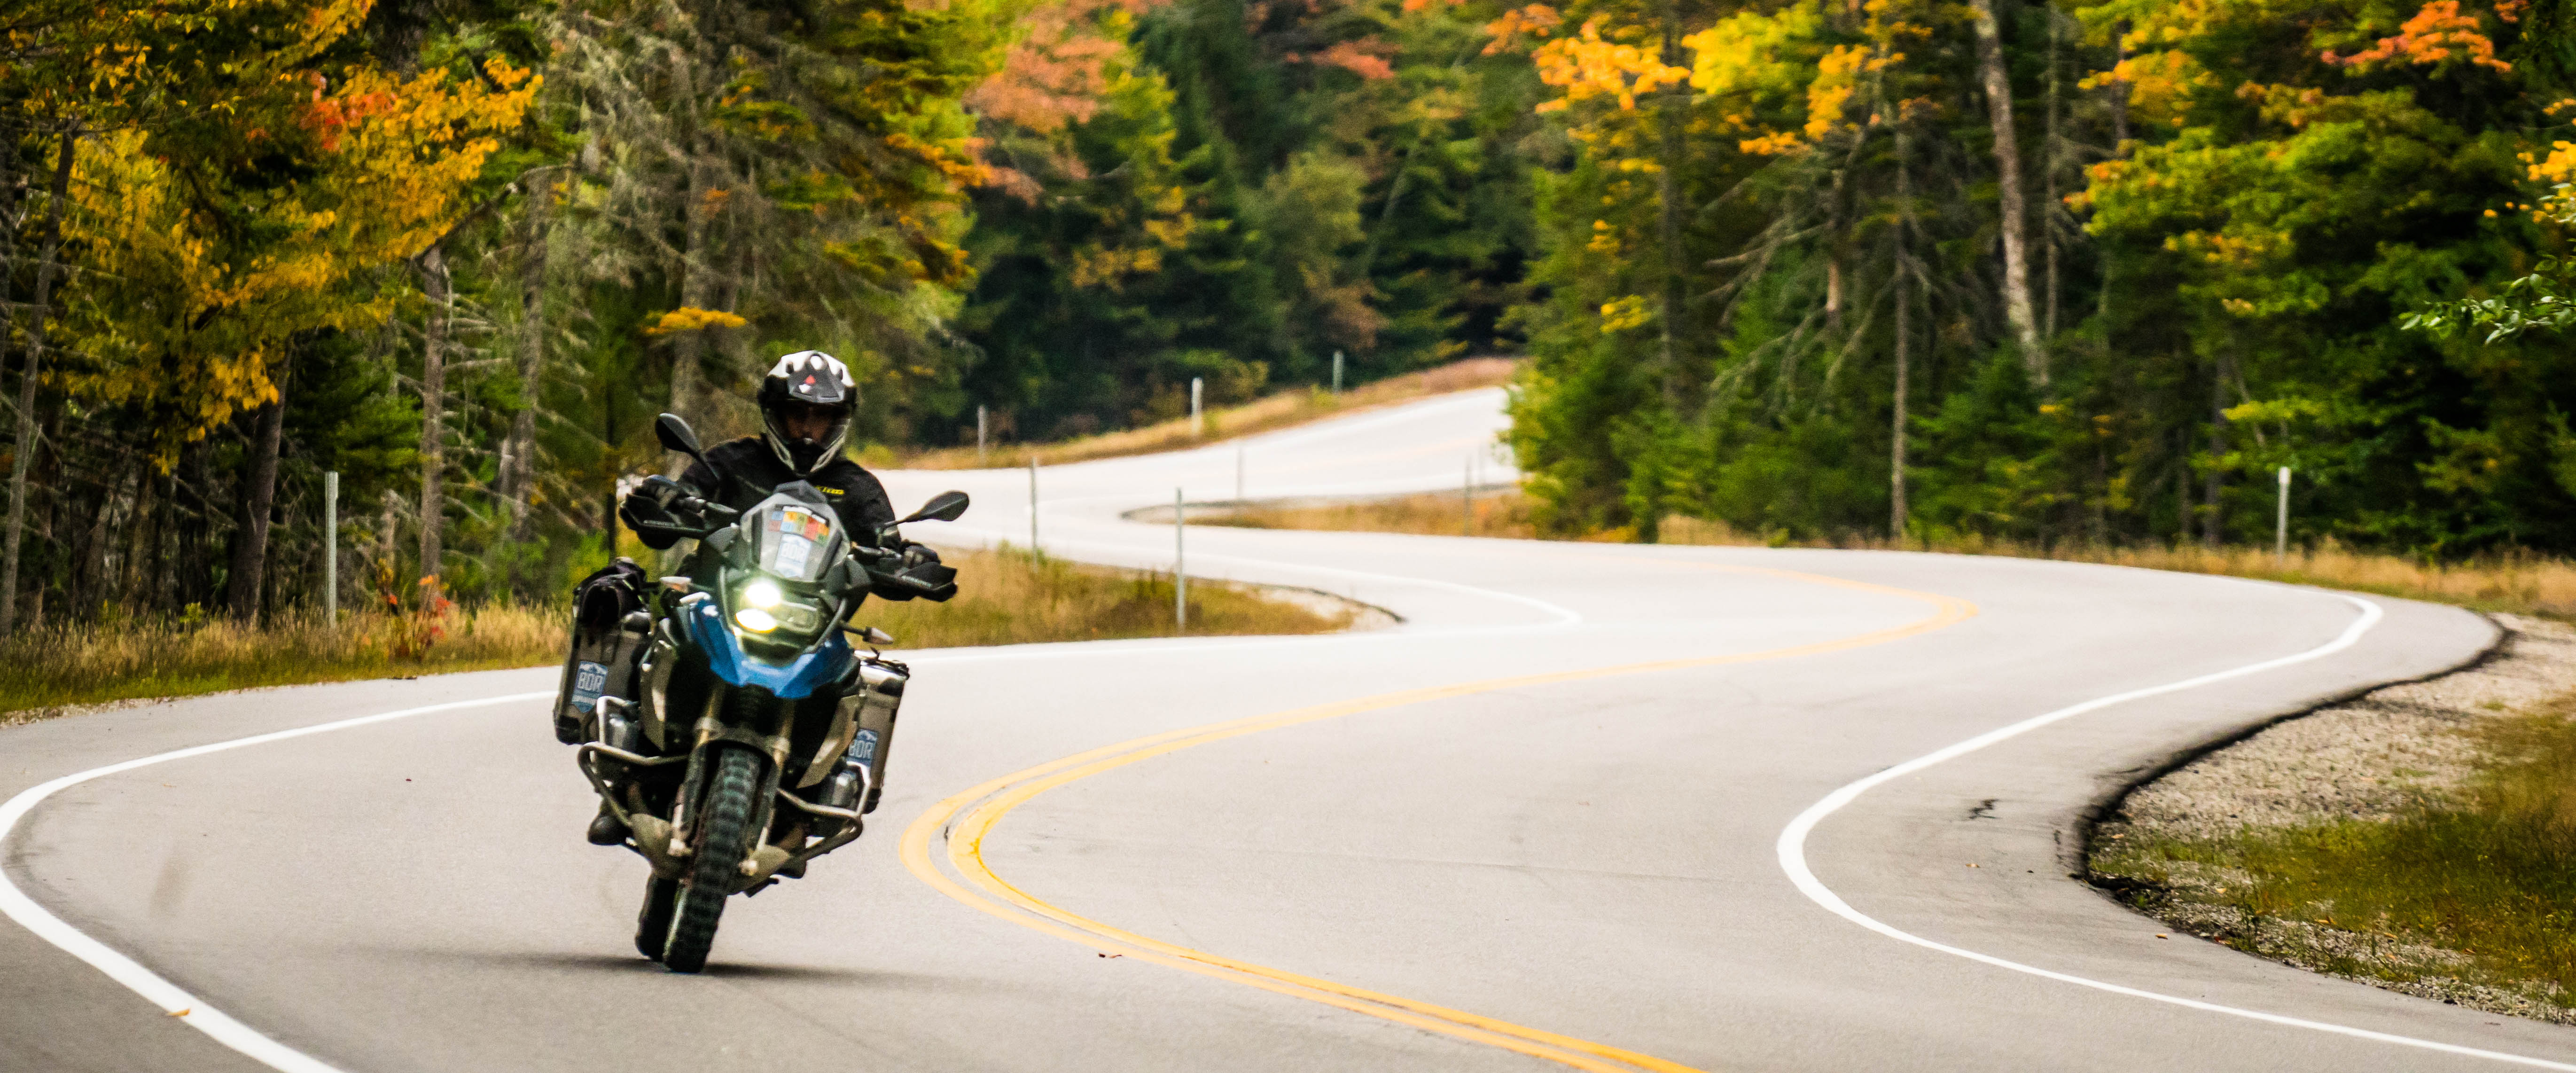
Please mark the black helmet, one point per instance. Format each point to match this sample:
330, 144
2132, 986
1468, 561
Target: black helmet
805, 380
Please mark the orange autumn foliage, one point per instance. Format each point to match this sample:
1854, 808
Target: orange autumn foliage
2437, 34
1365, 57
1055, 74
1536, 20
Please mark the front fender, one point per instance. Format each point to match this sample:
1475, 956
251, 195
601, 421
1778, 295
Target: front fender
796, 679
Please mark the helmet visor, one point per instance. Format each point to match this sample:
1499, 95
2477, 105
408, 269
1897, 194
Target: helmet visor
798, 420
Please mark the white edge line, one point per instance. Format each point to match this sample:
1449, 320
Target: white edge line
170, 997
1793, 853
1367, 420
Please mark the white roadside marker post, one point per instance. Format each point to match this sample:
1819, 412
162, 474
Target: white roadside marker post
1198, 420
2281, 529
1180, 565
1337, 372
979, 435
1033, 502
1467, 500
331, 548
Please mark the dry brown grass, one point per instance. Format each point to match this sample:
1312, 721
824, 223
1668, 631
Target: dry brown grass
1005, 597
2517, 583
1497, 514
1009, 596
1265, 414
44, 671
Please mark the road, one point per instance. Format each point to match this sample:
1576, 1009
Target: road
1597, 806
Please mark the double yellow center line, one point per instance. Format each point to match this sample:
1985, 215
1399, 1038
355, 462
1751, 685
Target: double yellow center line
967, 818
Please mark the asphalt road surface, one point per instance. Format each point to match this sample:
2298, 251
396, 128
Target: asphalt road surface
1600, 806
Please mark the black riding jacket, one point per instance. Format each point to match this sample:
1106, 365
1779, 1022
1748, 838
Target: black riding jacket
753, 471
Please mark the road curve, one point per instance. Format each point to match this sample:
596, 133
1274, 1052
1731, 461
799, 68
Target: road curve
1599, 806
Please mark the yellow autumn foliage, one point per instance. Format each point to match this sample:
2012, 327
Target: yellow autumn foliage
195, 286
1589, 65
691, 319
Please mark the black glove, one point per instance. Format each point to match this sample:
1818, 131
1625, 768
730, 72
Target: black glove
663, 491
918, 554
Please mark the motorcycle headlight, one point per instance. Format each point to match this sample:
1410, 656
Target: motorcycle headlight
761, 594
755, 619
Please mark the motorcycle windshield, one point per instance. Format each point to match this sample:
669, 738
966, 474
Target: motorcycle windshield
795, 540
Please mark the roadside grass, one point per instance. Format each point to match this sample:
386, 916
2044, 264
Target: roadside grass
2485, 878
45, 670
1267, 414
2516, 583
1010, 596
1006, 596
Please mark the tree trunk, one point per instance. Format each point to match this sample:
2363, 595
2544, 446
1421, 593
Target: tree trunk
24, 447
1896, 507
608, 508
141, 534
2052, 153
2116, 97
519, 472
91, 587
1834, 291
2012, 216
158, 553
2211, 529
10, 224
388, 539
255, 502
2182, 487
697, 283
189, 578
436, 284
1676, 101
2118, 91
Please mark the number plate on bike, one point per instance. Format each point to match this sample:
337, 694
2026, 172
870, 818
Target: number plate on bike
587, 682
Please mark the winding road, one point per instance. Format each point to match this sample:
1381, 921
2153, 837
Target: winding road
1598, 806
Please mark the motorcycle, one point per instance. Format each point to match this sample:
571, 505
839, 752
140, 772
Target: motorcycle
755, 737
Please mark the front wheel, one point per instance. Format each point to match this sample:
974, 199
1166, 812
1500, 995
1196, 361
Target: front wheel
724, 840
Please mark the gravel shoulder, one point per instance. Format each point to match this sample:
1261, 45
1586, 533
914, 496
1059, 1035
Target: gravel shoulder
2171, 847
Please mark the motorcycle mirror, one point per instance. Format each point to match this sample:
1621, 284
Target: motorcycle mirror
676, 436
944, 507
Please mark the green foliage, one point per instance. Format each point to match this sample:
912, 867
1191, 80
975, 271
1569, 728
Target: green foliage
1724, 234
2229, 290
1249, 190
259, 190
2545, 300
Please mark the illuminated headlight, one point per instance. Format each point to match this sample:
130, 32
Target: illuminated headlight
760, 594
755, 619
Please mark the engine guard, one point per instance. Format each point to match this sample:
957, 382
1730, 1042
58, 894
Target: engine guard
650, 835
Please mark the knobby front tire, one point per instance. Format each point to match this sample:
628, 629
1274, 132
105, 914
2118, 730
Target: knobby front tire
724, 840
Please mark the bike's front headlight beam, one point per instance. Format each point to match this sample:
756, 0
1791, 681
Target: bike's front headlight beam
754, 605
761, 606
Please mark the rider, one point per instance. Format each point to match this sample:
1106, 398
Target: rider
804, 419
805, 405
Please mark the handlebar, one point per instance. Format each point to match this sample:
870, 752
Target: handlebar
660, 506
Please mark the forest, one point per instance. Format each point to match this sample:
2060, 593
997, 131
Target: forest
1817, 270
